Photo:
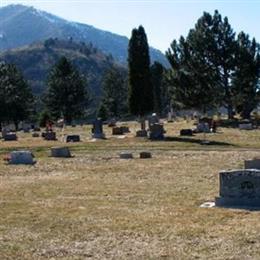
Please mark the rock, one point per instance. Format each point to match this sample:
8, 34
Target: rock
145, 155
61, 152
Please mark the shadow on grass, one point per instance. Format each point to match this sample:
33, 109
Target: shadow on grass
195, 141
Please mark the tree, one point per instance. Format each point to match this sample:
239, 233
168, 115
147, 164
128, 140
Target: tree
157, 73
114, 98
16, 97
140, 96
66, 95
206, 60
245, 79
193, 80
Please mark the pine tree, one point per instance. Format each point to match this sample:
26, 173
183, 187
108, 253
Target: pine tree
140, 97
16, 97
204, 62
114, 97
66, 95
245, 79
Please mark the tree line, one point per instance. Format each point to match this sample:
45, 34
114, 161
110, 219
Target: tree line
209, 68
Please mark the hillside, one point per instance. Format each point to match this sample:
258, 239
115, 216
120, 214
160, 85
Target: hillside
36, 60
21, 25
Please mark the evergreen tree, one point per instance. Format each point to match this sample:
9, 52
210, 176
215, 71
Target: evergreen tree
157, 73
114, 98
16, 97
204, 62
140, 97
246, 76
66, 95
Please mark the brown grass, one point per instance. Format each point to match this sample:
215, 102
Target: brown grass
98, 206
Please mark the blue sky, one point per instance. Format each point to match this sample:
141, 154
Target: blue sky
163, 20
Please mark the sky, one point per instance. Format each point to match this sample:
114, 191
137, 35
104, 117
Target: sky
163, 20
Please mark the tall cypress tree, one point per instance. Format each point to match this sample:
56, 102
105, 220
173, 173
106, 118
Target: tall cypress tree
140, 97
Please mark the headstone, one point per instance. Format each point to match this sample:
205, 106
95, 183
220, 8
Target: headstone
126, 155
246, 126
49, 136
35, 135
202, 127
125, 129
186, 132
239, 188
10, 137
36, 129
97, 130
156, 132
21, 157
252, 164
62, 152
145, 155
141, 133
117, 130
72, 138
112, 122
154, 119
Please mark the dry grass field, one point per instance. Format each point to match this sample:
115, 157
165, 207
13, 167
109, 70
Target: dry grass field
97, 206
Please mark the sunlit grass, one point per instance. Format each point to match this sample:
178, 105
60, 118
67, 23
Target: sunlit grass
96, 205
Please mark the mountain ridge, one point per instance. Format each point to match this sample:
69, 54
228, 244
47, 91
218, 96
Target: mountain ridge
22, 25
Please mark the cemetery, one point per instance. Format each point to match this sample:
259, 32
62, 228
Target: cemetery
111, 149
133, 196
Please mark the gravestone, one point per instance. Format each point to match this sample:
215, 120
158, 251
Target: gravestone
145, 155
156, 132
117, 130
112, 122
141, 133
21, 157
245, 126
126, 155
186, 132
252, 164
61, 152
239, 188
203, 127
36, 129
10, 137
72, 138
125, 129
49, 136
154, 119
97, 130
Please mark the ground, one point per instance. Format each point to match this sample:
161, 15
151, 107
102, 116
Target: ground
95, 205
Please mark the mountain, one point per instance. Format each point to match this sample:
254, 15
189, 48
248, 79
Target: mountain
36, 60
21, 25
